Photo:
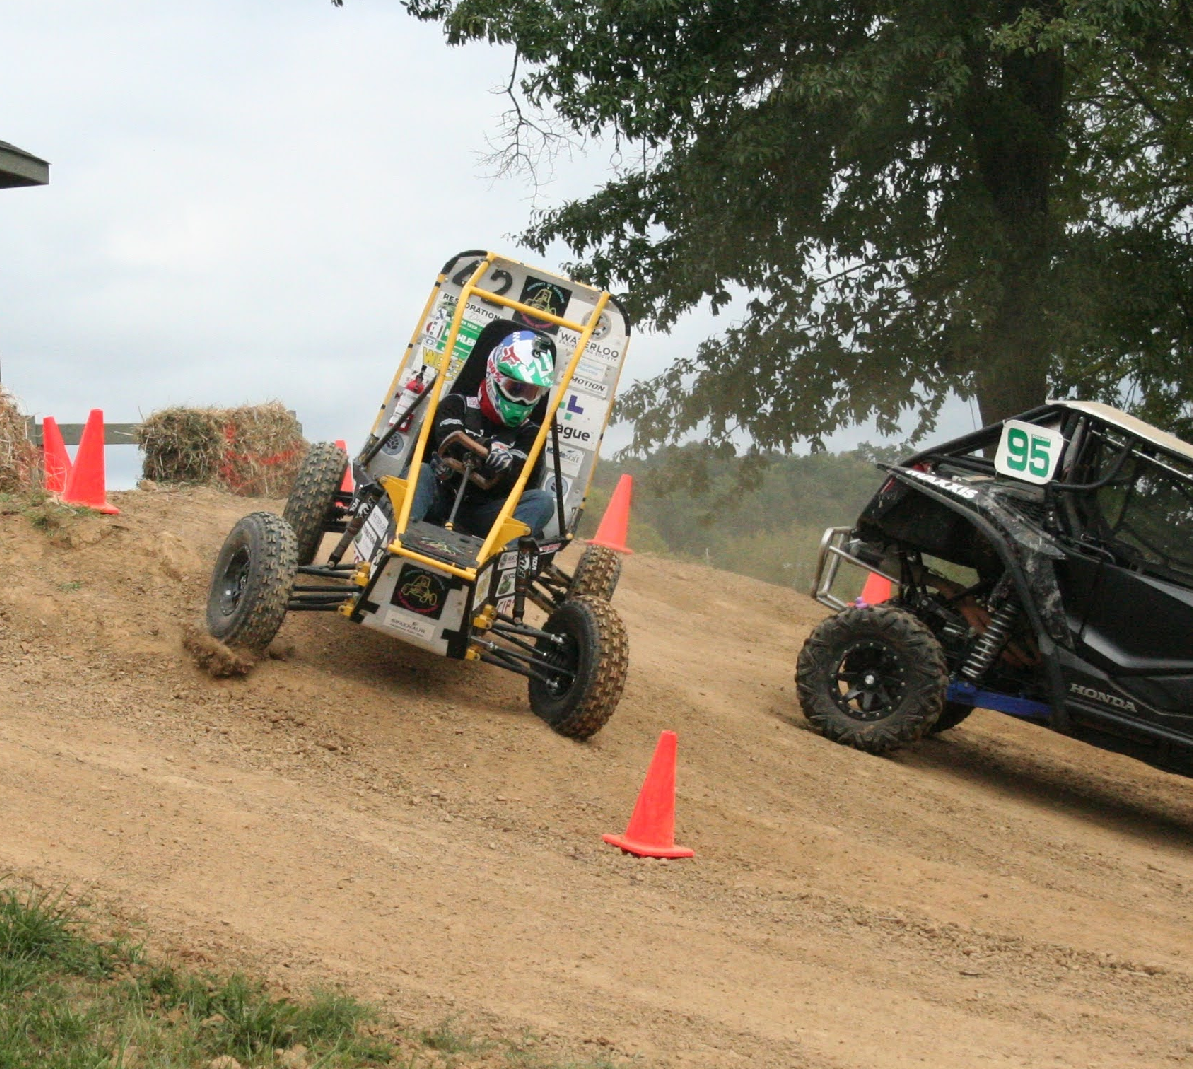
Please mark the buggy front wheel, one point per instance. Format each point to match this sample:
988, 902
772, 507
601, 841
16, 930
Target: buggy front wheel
597, 573
251, 584
872, 677
586, 641
313, 496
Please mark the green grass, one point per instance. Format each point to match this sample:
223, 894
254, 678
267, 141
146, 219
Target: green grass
69, 1000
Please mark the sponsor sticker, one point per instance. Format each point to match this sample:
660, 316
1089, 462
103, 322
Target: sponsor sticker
967, 492
580, 418
375, 528
545, 296
594, 387
571, 460
438, 327
505, 606
549, 486
509, 559
601, 329
399, 621
505, 583
420, 591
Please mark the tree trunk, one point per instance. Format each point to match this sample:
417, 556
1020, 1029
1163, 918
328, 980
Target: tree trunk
1015, 120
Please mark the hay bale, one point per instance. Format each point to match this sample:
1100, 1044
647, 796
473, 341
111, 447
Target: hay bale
20, 461
254, 450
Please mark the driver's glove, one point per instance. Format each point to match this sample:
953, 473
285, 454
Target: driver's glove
440, 468
498, 461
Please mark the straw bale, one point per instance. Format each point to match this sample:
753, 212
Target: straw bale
20, 467
254, 450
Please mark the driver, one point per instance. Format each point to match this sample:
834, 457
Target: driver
518, 374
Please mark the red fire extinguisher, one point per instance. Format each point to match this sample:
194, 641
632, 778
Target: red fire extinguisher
408, 400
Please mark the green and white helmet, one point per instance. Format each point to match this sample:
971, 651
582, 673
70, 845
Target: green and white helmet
519, 371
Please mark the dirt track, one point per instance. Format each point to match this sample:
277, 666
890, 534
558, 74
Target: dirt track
402, 824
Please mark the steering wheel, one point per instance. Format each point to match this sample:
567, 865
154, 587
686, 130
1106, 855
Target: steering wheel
459, 445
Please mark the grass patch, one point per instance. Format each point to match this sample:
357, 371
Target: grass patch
70, 1000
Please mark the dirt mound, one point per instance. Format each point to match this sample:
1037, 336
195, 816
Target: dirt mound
402, 824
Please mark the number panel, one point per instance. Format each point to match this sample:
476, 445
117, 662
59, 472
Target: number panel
1028, 452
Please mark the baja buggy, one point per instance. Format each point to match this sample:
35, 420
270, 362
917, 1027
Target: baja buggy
458, 593
1042, 567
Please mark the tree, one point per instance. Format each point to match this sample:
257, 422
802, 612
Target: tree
918, 196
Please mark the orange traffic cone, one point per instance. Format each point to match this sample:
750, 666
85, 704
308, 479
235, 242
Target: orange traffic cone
346, 484
876, 591
85, 484
55, 459
615, 524
651, 831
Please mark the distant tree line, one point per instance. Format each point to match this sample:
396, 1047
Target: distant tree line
761, 516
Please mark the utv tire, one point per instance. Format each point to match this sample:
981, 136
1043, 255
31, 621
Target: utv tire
596, 574
595, 648
872, 677
250, 587
313, 496
952, 715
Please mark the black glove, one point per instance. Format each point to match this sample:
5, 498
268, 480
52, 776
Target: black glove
498, 462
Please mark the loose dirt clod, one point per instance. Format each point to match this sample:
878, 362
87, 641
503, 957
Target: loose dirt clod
214, 657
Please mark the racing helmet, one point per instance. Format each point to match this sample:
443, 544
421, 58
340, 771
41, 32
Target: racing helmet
518, 372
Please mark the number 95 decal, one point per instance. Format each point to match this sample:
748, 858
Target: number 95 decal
1028, 452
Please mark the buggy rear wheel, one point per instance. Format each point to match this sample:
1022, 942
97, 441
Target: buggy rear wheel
872, 677
250, 587
597, 573
593, 652
310, 504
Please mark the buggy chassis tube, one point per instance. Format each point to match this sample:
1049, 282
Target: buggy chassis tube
585, 334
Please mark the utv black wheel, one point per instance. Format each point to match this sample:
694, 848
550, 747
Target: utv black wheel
251, 584
312, 500
872, 677
594, 652
951, 715
596, 574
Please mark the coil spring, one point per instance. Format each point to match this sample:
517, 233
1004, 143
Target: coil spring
991, 642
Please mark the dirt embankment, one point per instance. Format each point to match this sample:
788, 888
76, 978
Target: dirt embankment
361, 812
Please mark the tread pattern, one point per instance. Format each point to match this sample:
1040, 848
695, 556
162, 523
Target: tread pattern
604, 658
596, 574
269, 542
311, 498
926, 677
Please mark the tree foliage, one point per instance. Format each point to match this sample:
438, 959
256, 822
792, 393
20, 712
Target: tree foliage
917, 196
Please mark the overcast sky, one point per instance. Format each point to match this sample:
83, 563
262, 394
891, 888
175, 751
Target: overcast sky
248, 202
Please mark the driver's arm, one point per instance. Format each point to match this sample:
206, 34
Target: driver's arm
449, 417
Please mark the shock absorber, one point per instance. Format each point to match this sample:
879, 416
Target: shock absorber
991, 642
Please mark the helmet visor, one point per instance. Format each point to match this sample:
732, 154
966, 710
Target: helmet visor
522, 393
